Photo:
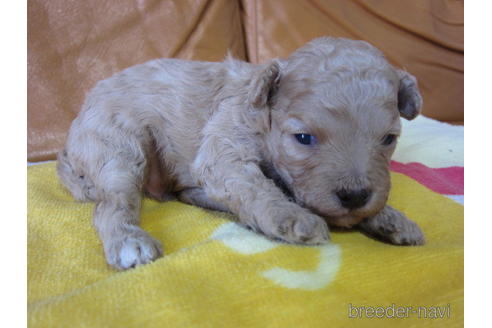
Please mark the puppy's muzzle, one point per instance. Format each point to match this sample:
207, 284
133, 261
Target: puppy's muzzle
352, 199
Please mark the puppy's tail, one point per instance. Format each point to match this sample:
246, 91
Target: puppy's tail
75, 179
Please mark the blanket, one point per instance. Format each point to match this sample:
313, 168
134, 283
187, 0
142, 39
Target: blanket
218, 274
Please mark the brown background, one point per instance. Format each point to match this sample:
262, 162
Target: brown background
73, 44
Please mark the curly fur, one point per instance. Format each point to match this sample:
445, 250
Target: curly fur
221, 136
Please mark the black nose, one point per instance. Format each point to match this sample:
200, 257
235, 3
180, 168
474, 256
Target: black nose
352, 199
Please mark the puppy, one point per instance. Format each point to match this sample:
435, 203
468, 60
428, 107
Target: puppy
287, 146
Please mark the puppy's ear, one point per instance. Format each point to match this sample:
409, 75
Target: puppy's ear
409, 98
264, 85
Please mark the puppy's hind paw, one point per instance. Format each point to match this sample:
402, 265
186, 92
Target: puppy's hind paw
132, 250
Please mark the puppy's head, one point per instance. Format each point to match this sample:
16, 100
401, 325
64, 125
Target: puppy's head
335, 108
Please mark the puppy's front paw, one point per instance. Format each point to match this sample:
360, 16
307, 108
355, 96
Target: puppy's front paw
132, 249
405, 232
394, 227
302, 227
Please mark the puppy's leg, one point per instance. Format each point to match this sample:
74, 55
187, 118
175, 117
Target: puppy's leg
243, 188
116, 217
393, 226
198, 197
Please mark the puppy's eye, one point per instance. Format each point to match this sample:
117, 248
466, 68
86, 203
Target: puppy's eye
388, 139
305, 139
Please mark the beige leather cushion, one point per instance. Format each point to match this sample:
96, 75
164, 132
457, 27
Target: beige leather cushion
73, 44
423, 36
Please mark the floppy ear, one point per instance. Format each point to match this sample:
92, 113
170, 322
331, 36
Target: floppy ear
264, 85
409, 98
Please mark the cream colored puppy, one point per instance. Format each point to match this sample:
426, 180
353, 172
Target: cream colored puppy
286, 146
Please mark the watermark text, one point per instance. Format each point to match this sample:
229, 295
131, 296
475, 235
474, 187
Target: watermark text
398, 311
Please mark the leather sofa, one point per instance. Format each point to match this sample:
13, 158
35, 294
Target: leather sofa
73, 44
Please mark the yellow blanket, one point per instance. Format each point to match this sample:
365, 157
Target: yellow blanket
217, 274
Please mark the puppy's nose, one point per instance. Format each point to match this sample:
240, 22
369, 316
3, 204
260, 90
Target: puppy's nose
353, 199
